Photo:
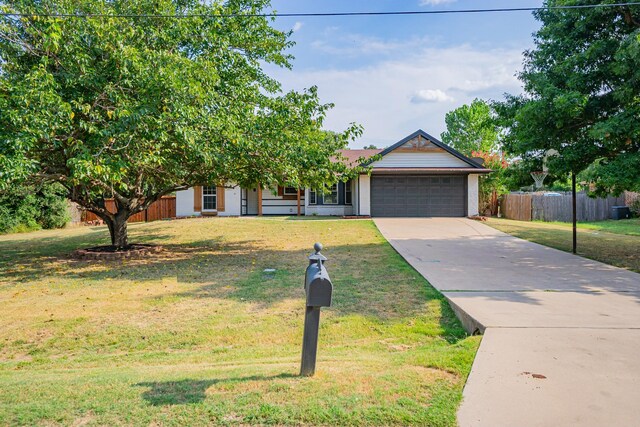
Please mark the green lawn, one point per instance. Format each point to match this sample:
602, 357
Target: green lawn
612, 242
630, 227
200, 335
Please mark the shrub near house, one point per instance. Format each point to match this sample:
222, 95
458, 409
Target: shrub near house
493, 185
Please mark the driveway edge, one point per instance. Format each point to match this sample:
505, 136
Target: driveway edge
470, 324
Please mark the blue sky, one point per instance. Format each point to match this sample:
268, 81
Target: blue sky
396, 74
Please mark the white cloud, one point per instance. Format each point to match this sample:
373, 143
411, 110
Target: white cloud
380, 96
297, 26
435, 2
336, 43
430, 95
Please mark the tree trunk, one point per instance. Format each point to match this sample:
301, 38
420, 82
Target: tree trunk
494, 203
117, 225
111, 227
117, 222
121, 238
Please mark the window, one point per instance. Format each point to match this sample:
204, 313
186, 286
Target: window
331, 198
209, 202
290, 191
312, 197
347, 193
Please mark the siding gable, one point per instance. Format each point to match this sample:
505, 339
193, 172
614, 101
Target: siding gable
400, 159
419, 144
421, 150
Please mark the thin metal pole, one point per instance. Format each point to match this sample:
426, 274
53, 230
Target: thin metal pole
310, 341
574, 212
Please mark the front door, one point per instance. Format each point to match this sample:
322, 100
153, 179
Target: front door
252, 201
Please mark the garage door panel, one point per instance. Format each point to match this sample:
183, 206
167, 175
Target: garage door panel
418, 196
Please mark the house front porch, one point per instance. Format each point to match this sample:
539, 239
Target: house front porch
339, 200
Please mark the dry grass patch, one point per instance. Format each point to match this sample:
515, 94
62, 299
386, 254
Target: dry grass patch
200, 335
618, 247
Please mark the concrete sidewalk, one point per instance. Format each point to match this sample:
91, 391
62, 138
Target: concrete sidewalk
562, 333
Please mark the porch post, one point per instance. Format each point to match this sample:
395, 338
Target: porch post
259, 199
298, 193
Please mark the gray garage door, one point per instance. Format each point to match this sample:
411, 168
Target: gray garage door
418, 196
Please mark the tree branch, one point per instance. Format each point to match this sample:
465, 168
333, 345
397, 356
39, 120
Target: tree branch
629, 18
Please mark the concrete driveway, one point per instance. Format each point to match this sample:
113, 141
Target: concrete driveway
561, 341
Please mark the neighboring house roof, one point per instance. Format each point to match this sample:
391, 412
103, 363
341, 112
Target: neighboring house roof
352, 156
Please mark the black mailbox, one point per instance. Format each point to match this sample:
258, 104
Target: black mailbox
318, 286
319, 290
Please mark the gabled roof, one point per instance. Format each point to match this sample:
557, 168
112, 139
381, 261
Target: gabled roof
437, 143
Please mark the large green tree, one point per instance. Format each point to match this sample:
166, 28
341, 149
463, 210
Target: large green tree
134, 107
582, 94
472, 128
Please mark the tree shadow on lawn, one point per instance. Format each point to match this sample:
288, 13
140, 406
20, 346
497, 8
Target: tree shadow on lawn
369, 283
188, 391
383, 287
370, 280
23, 260
28, 258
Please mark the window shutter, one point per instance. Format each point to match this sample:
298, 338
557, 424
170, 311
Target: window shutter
280, 191
220, 198
197, 198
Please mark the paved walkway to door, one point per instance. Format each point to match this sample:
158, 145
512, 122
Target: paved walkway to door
561, 341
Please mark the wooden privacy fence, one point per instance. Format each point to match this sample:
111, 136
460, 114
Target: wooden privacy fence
540, 207
161, 209
517, 206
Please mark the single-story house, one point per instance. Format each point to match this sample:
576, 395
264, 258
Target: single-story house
418, 176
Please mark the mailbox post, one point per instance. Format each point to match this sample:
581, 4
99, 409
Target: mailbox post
318, 289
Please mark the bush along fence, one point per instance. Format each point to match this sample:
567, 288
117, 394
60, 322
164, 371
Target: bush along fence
165, 208
541, 207
633, 201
